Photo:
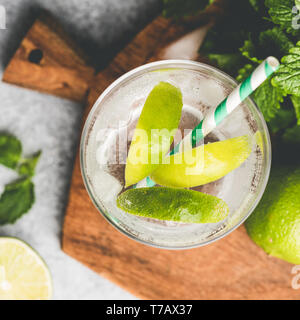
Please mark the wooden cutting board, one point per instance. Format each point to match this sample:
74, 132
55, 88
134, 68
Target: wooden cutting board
231, 268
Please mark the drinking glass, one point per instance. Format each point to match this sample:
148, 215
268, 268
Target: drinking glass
109, 129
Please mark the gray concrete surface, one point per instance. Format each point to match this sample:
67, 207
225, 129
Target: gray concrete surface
53, 125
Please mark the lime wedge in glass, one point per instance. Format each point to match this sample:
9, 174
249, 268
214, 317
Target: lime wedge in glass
23, 273
204, 164
172, 204
154, 132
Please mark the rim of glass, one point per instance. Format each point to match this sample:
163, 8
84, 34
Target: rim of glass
147, 67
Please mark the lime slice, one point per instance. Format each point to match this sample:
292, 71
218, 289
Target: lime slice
154, 132
204, 164
170, 204
23, 274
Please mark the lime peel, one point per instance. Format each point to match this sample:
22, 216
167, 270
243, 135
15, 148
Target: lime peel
161, 112
170, 204
218, 158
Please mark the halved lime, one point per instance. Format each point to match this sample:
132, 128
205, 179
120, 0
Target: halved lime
171, 204
204, 164
23, 273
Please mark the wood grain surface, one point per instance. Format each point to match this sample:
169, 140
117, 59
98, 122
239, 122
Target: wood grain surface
48, 61
231, 268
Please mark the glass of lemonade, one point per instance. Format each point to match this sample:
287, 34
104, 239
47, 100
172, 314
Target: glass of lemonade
109, 129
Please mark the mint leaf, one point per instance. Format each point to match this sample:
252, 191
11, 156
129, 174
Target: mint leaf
181, 8
268, 99
27, 166
292, 135
296, 103
16, 200
10, 150
275, 41
288, 76
266, 96
282, 120
281, 13
272, 42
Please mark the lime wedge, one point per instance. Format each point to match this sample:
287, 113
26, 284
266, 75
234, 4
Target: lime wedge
154, 132
204, 164
23, 274
170, 204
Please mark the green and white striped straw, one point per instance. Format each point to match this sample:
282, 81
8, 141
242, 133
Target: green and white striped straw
218, 114
236, 97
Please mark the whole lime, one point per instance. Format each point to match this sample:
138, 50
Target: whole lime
275, 223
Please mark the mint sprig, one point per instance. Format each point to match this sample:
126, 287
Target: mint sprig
18, 197
240, 44
247, 33
281, 14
